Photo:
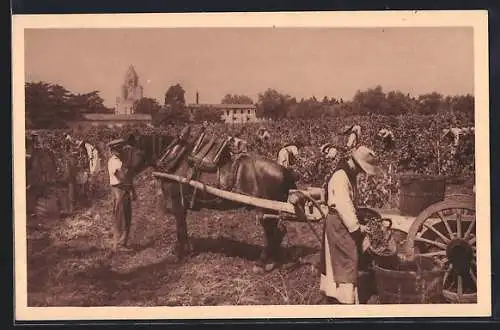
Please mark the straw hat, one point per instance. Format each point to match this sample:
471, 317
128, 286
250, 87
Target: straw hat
325, 147
367, 160
346, 129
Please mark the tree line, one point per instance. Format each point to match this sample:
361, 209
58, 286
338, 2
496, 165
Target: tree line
51, 105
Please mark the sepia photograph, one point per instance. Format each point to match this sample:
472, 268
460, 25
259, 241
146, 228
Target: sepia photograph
196, 166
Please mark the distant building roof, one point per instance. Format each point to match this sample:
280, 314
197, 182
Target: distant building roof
222, 106
113, 117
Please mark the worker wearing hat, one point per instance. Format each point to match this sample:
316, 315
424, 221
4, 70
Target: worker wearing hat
329, 150
288, 155
353, 132
123, 193
343, 234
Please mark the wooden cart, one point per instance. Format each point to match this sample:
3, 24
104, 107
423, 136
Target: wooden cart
444, 231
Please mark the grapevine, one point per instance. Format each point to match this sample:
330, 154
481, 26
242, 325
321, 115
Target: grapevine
418, 149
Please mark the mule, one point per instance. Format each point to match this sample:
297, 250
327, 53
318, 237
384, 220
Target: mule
210, 161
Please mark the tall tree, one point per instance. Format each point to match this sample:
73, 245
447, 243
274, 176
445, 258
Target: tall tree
370, 101
431, 103
147, 105
309, 108
236, 99
399, 103
174, 110
272, 104
87, 103
208, 114
172, 115
175, 96
463, 103
47, 105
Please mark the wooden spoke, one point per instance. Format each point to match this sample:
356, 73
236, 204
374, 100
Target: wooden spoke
471, 273
450, 211
447, 274
431, 254
428, 241
437, 232
443, 220
469, 230
459, 225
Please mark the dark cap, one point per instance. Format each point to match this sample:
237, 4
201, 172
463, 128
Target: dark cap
116, 143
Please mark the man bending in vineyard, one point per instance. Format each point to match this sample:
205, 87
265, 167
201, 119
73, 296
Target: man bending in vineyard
353, 135
343, 234
288, 155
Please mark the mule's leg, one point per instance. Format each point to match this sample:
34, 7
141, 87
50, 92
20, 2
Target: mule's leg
273, 236
278, 231
183, 246
264, 255
172, 195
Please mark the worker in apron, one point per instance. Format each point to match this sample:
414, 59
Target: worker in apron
343, 237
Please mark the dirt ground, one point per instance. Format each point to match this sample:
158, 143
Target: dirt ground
70, 262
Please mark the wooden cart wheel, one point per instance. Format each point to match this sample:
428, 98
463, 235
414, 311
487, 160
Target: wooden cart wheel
446, 232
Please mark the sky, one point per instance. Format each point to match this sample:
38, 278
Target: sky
301, 62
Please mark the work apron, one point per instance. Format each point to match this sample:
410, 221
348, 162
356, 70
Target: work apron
339, 261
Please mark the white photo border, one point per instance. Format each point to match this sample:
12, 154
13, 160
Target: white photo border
477, 19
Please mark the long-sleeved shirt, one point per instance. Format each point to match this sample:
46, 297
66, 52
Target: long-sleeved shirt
331, 153
341, 196
114, 165
93, 156
455, 132
284, 155
353, 139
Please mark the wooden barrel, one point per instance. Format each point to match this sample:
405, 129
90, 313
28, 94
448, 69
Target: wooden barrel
416, 283
418, 192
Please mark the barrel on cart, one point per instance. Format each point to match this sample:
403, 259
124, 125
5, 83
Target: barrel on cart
418, 192
443, 232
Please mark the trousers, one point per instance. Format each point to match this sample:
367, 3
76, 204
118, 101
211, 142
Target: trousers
122, 212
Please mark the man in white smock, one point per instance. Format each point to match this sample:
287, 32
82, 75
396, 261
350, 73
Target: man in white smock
343, 234
287, 155
93, 156
353, 135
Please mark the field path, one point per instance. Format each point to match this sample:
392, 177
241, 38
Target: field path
70, 262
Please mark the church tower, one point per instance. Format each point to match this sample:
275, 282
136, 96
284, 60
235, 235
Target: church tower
130, 92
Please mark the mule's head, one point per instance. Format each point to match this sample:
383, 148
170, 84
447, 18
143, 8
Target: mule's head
134, 160
148, 148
